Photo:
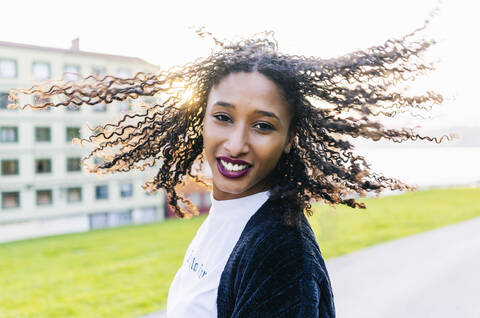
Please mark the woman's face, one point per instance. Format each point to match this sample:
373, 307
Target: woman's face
246, 129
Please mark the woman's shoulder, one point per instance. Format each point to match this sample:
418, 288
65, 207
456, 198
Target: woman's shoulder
274, 267
267, 240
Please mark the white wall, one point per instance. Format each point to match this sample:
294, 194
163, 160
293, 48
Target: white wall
29, 219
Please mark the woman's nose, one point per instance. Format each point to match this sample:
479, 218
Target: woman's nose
237, 142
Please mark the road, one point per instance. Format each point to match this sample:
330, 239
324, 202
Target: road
432, 274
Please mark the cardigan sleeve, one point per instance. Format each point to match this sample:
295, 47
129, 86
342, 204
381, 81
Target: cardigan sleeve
283, 279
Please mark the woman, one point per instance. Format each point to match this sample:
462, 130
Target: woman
272, 128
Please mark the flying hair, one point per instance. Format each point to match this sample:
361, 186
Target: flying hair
331, 100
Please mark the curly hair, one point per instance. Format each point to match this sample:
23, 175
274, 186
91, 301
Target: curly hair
331, 100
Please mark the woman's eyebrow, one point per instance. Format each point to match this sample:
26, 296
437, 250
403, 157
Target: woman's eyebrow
269, 114
225, 104
262, 112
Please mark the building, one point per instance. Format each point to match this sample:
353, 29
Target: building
197, 194
43, 189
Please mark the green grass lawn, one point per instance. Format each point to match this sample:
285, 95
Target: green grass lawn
126, 272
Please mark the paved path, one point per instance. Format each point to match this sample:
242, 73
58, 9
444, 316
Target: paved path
432, 274
435, 274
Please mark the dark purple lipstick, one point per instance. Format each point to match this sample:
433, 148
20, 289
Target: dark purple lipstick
232, 174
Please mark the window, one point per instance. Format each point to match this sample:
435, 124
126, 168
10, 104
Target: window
100, 108
74, 164
10, 200
148, 194
71, 72
44, 197
38, 100
123, 73
8, 68
195, 198
9, 167
98, 160
4, 100
41, 71
8, 134
126, 190
42, 134
96, 132
72, 108
124, 106
98, 220
101, 192
74, 195
72, 132
206, 199
43, 165
148, 214
100, 72
119, 218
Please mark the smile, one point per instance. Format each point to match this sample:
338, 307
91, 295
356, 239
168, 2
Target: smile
232, 170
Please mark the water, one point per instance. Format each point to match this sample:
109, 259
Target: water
426, 167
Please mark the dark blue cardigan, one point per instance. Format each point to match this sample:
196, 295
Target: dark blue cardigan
275, 271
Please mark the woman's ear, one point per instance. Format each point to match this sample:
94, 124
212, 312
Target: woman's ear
288, 146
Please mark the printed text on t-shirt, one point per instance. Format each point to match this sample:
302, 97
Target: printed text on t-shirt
194, 265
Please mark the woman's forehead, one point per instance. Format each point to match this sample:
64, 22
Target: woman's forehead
249, 89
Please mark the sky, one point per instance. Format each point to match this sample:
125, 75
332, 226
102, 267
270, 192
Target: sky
162, 33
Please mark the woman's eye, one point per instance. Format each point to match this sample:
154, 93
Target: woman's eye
264, 126
222, 117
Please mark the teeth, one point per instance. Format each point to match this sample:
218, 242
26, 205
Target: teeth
232, 167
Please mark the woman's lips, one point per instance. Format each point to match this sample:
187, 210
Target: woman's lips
234, 161
233, 174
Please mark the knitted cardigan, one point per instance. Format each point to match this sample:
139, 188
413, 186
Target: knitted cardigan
275, 270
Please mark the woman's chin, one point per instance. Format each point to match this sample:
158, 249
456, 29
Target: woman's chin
224, 190
230, 190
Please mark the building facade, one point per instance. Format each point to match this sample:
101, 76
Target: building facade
43, 188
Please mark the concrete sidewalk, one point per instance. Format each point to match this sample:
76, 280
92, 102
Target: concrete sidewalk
432, 274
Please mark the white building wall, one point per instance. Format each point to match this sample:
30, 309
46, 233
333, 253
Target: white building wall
62, 216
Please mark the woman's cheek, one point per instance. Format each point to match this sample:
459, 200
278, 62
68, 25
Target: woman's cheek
212, 139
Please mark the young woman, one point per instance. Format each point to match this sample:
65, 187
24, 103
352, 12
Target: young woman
272, 128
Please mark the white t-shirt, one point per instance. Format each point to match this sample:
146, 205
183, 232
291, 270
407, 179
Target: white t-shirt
193, 292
